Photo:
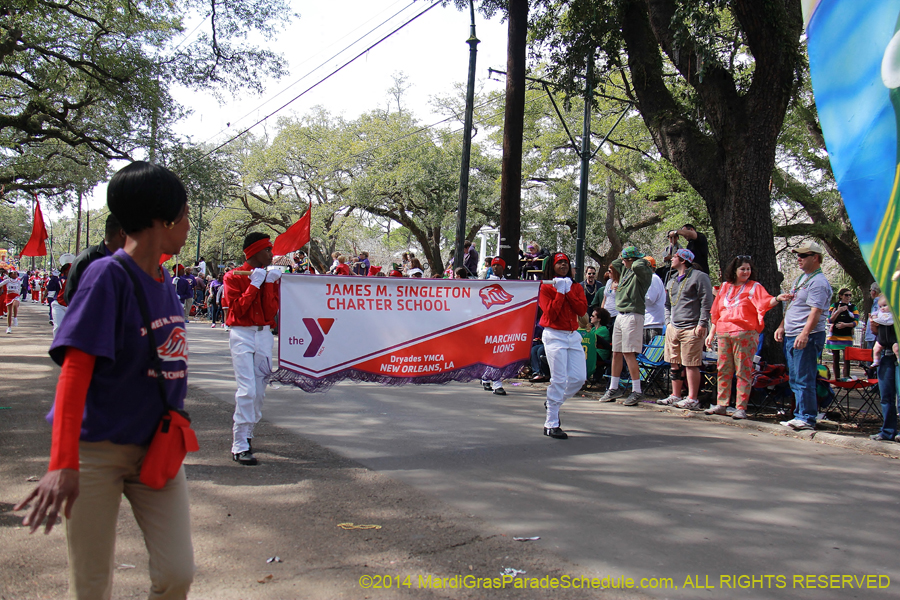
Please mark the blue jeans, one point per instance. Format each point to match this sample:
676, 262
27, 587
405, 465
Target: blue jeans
887, 386
801, 366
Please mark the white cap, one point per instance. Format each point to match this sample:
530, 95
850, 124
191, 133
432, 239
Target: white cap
66, 259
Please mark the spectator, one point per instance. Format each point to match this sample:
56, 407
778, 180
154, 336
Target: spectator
655, 306
104, 418
886, 360
342, 267
737, 320
600, 323
253, 302
590, 284
113, 239
362, 264
470, 258
635, 276
562, 302
407, 257
301, 262
415, 268
803, 332
487, 381
213, 299
184, 287
484, 271
698, 245
843, 318
689, 299
871, 328
201, 266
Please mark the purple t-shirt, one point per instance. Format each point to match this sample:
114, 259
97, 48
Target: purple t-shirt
123, 401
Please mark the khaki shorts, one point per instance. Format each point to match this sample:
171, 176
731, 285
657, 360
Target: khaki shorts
683, 347
628, 333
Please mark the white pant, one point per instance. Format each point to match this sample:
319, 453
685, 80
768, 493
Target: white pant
568, 369
496, 385
251, 355
59, 312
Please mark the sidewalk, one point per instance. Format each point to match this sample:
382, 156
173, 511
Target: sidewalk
289, 506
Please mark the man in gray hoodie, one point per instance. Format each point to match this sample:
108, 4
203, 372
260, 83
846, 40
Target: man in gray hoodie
689, 299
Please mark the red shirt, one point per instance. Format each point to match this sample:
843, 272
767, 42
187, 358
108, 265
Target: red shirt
561, 311
247, 304
736, 309
342, 269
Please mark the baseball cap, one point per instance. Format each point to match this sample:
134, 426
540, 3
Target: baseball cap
632, 252
685, 255
498, 262
807, 247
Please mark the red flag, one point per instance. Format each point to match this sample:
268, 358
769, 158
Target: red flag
295, 237
36, 245
165, 257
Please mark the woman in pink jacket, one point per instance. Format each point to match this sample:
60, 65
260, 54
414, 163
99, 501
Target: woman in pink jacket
737, 320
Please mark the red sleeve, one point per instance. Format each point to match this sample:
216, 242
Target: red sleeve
238, 301
577, 299
271, 292
68, 413
716, 311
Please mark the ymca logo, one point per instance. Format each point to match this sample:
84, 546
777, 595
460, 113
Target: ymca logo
494, 294
175, 347
318, 329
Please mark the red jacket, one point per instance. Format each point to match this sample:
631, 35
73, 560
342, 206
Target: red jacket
247, 304
561, 311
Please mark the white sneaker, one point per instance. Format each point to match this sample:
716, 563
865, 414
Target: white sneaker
688, 403
669, 401
716, 409
9, 330
739, 414
15, 321
797, 424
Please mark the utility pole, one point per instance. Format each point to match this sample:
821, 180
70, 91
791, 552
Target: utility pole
199, 231
585, 170
513, 131
467, 143
78, 225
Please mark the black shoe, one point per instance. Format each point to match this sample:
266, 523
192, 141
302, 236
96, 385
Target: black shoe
556, 433
486, 386
540, 379
245, 458
499, 392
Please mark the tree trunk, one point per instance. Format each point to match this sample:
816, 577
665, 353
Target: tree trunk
725, 148
513, 130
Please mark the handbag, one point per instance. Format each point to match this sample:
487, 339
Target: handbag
174, 437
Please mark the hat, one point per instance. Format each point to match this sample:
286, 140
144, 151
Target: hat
560, 256
632, 252
498, 262
809, 247
652, 262
685, 255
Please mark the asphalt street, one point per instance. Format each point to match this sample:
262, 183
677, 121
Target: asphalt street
633, 493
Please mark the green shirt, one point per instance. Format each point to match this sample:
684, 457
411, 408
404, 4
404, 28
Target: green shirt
633, 285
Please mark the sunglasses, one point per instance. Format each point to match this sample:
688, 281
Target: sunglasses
804, 254
743, 257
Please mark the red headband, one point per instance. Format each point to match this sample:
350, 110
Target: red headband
257, 246
559, 257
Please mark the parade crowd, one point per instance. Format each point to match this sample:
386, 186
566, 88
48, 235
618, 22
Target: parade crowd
121, 317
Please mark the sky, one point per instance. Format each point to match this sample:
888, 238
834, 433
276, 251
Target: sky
431, 51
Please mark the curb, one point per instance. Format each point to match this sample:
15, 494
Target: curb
888, 449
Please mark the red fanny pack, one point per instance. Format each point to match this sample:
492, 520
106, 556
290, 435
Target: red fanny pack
173, 439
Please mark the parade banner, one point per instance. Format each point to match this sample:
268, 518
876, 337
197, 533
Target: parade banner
402, 330
854, 59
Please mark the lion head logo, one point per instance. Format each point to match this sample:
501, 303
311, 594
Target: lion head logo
494, 294
175, 347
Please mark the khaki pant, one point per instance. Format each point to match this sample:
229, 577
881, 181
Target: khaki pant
107, 472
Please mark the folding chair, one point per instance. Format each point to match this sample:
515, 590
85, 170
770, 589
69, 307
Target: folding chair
870, 392
654, 369
770, 388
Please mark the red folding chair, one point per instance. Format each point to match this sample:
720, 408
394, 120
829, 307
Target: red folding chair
868, 391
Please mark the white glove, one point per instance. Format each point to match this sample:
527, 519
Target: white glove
563, 284
257, 276
273, 275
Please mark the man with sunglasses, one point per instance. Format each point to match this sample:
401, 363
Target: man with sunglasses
803, 332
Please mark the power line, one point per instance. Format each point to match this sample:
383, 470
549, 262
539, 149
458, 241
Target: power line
319, 66
313, 86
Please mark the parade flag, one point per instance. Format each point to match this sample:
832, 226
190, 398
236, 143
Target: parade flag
854, 60
396, 331
296, 236
36, 245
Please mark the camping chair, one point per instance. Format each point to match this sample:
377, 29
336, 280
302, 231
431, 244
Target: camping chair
770, 388
654, 368
870, 393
